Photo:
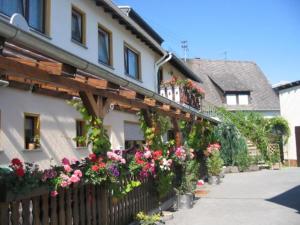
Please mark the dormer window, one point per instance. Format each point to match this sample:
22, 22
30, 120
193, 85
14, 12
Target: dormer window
237, 99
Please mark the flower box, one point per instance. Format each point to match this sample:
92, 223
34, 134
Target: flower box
9, 196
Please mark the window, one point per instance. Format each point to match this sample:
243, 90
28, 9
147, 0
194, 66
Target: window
237, 99
78, 26
80, 133
231, 99
35, 14
32, 131
33, 10
104, 46
243, 99
131, 59
9, 7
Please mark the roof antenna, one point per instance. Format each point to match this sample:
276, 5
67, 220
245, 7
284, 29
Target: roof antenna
185, 48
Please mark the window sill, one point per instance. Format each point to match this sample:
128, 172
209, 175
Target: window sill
106, 65
81, 148
134, 79
40, 33
33, 150
78, 43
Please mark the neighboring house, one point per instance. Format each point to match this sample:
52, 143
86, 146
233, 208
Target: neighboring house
94, 36
236, 85
289, 96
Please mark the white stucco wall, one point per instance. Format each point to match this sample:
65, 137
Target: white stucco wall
58, 127
60, 35
290, 110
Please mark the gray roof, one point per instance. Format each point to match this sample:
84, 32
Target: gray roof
220, 77
287, 85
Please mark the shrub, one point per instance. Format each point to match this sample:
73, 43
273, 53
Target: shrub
214, 164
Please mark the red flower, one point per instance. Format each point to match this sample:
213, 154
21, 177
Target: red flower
157, 154
20, 172
16, 162
101, 165
93, 157
95, 168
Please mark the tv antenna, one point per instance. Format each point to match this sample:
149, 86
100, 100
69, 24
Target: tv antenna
185, 48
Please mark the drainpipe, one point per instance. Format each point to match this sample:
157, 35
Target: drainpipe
166, 58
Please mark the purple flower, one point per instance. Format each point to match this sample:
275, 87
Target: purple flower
113, 169
48, 174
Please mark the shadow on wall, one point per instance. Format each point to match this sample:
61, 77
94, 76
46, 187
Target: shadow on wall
290, 198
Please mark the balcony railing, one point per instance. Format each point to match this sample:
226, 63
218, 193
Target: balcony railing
185, 92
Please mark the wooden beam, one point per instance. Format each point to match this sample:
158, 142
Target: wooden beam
166, 107
127, 94
90, 103
178, 136
150, 101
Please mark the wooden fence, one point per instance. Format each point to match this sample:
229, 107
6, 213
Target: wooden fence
79, 205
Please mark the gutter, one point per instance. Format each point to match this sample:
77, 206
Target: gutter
18, 36
166, 58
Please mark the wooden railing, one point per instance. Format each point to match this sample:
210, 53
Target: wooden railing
83, 204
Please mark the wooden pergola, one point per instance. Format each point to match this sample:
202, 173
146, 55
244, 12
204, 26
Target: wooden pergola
27, 69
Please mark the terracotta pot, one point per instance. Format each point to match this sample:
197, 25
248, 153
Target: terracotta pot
31, 146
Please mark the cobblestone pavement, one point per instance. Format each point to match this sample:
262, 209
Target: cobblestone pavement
268, 197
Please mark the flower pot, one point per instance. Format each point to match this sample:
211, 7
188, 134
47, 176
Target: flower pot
214, 180
276, 166
31, 146
185, 201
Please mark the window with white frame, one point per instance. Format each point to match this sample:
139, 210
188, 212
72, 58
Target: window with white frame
104, 46
243, 99
231, 99
237, 99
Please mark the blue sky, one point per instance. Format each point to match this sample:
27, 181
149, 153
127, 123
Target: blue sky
264, 31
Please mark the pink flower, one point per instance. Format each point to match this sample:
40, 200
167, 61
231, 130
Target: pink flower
110, 154
147, 154
78, 173
123, 161
54, 193
74, 179
200, 183
65, 161
67, 168
64, 184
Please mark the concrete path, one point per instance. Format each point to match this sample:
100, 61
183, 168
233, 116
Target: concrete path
256, 198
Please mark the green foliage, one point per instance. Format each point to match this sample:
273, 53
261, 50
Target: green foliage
274, 156
234, 150
154, 132
278, 129
252, 126
243, 160
96, 133
214, 163
189, 176
164, 183
145, 219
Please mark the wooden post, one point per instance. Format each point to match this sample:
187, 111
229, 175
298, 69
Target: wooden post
178, 137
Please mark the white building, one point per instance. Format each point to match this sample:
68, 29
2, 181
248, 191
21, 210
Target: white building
289, 97
113, 40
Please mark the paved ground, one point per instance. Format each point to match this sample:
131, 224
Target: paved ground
257, 198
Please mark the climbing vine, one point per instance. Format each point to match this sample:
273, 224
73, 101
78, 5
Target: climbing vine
96, 133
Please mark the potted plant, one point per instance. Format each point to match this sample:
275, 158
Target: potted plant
214, 164
187, 176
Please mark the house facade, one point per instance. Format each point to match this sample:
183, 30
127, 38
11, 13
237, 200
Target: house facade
236, 86
289, 96
95, 37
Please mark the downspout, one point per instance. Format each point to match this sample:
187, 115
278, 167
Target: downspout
159, 63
